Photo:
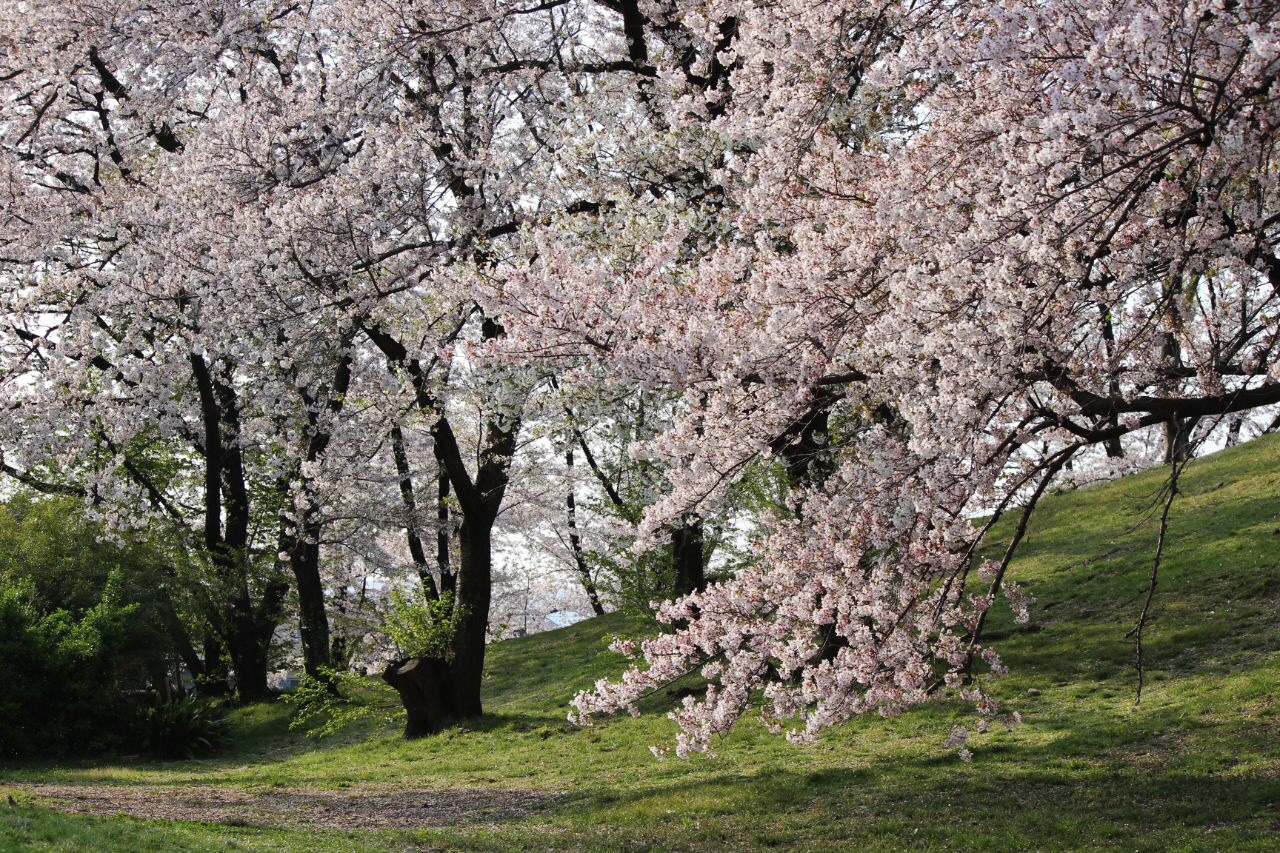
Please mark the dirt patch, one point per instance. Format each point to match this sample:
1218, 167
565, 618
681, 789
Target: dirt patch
364, 807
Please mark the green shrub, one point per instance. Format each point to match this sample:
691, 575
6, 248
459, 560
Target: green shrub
183, 727
86, 620
418, 625
326, 705
60, 675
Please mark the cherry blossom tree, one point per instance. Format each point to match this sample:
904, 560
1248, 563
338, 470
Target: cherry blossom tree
960, 245
225, 222
281, 275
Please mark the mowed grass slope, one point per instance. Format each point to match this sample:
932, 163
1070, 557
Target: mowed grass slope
1196, 765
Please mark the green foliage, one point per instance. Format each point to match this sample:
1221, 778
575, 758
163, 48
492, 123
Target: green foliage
324, 706
420, 626
84, 621
634, 582
183, 727
62, 674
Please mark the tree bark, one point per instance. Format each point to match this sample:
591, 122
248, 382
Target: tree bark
687, 557
424, 685
474, 591
416, 552
479, 499
248, 651
448, 579
1113, 446
213, 680
304, 541
313, 621
1233, 430
1177, 439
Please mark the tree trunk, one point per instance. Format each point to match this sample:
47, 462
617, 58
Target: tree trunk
416, 551
248, 635
1233, 430
448, 580
474, 590
437, 691
425, 689
687, 558
575, 540
1113, 446
249, 658
1177, 439
479, 499
313, 621
213, 680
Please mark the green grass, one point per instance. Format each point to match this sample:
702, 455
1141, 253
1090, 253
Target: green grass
1195, 766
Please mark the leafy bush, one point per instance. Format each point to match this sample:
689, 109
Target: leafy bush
85, 622
323, 706
183, 727
418, 625
60, 675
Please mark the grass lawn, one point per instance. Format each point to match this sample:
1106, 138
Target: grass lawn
1196, 765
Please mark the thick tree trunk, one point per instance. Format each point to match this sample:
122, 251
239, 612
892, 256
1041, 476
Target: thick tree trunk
425, 689
214, 679
248, 635
687, 557
249, 659
448, 579
473, 593
479, 499
313, 621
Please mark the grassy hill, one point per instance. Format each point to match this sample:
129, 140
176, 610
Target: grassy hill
1196, 765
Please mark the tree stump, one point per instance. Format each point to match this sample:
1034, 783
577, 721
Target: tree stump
423, 685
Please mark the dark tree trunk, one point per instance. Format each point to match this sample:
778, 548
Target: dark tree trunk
425, 689
1177, 430
479, 499
416, 552
805, 449
1233, 430
448, 579
304, 550
214, 680
687, 557
248, 639
1177, 439
474, 590
249, 659
313, 621
1114, 449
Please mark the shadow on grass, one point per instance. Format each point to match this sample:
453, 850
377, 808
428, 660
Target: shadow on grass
1065, 793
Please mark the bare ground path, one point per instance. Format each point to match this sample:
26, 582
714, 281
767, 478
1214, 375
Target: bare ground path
357, 807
